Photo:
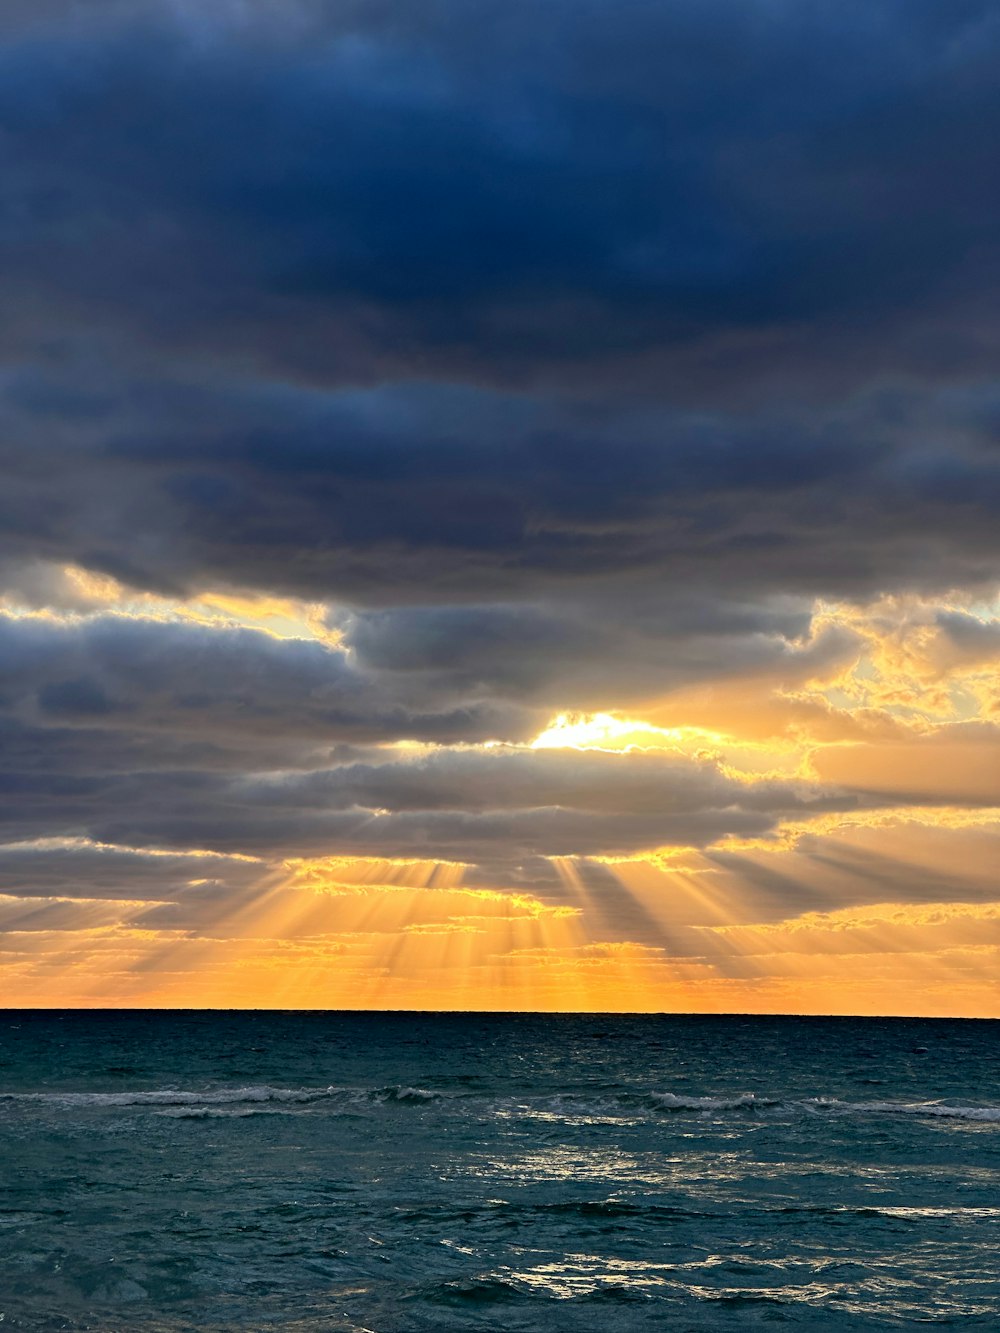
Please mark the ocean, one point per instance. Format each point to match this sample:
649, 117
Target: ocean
394, 1172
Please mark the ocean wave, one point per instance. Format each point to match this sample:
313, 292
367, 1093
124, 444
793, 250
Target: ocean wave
157, 1097
909, 1213
487, 1290
937, 1110
752, 1102
416, 1095
609, 1209
748, 1101
211, 1098
569, 1105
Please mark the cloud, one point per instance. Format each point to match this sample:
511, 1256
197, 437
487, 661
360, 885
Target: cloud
498, 804
663, 183
581, 654
174, 735
509, 361
77, 869
229, 686
453, 496
960, 763
494, 303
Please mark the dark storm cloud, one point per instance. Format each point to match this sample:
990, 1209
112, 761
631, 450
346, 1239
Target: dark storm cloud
687, 288
496, 188
234, 687
592, 655
442, 494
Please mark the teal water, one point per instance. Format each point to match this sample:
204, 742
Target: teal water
175, 1171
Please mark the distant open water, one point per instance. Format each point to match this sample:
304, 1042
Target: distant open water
206, 1171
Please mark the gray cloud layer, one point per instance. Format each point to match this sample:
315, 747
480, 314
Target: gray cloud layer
567, 352
696, 293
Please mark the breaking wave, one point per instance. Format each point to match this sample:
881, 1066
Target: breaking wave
205, 1102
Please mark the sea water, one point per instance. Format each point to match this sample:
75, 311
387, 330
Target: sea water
301, 1171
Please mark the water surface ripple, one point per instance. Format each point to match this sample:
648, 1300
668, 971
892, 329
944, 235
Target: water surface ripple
395, 1172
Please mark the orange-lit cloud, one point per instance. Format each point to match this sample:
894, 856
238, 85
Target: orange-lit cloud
897, 877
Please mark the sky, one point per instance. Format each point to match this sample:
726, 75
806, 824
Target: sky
498, 505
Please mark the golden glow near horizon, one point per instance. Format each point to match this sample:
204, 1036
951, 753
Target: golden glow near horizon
888, 907
528, 581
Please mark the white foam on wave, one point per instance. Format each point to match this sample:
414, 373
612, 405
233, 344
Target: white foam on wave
747, 1101
919, 1214
936, 1110
176, 1097
407, 1095
668, 1101
564, 1105
227, 1097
